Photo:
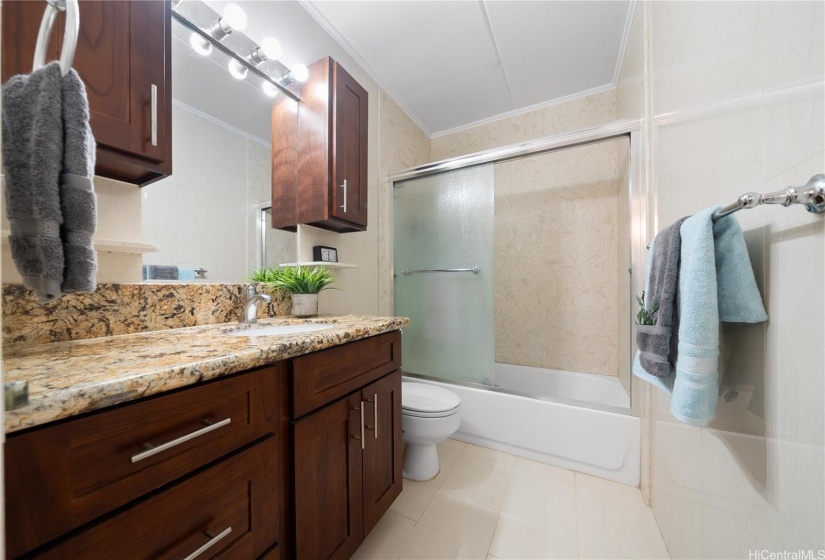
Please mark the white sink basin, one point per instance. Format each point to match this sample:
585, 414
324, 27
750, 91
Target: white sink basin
274, 330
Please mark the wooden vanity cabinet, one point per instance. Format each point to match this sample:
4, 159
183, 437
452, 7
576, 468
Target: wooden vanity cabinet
347, 453
211, 449
124, 58
326, 141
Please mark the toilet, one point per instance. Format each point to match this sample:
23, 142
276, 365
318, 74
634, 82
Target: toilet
429, 414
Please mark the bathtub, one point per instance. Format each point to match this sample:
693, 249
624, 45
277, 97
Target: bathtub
605, 443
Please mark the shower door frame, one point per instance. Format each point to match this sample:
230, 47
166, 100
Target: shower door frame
638, 197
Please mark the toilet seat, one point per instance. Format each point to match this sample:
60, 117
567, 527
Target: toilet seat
428, 401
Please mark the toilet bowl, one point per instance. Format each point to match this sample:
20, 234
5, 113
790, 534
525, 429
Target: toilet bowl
429, 414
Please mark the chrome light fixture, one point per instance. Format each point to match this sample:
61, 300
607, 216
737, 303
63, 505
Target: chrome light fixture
244, 58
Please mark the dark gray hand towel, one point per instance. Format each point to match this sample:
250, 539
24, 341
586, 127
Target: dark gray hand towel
655, 342
32, 156
77, 195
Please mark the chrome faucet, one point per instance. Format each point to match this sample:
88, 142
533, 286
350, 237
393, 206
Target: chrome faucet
251, 299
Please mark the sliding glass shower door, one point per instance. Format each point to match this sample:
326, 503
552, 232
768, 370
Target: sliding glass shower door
443, 259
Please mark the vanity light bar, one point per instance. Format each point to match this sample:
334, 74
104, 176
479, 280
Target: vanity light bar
247, 57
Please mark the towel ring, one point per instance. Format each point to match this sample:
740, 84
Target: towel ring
69, 40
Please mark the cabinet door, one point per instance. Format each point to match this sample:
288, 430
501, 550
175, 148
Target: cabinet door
123, 50
329, 513
349, 181
382, 447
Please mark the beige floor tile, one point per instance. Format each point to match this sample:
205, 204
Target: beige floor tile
491, 557
542, 497
613, 517
480, 475
451, 528
386, 538
514, 540
416, 496
557, 473
453, 444
590, 551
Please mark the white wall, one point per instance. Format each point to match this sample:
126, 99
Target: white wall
737, 93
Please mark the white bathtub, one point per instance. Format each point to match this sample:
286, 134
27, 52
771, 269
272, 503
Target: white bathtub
552, 384
604, 444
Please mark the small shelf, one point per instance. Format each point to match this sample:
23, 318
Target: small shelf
320, 263
111, 245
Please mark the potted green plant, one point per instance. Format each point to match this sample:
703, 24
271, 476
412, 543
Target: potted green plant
301, 282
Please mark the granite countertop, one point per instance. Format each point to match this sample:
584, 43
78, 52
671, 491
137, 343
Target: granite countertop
70, 378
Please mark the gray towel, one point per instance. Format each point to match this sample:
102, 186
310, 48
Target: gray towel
77, 196
655, 343
160, 272
48, 153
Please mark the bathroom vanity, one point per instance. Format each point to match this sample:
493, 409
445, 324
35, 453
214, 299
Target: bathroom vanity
237, 447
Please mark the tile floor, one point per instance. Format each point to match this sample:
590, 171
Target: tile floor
486, 504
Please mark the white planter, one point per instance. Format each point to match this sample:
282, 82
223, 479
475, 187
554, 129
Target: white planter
305, 305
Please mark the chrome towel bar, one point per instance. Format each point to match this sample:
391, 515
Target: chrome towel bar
474, 270
811, 195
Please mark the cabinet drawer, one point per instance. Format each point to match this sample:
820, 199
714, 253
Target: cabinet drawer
322, 377
231, 505
62, 476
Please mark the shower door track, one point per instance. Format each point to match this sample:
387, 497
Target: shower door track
602, 133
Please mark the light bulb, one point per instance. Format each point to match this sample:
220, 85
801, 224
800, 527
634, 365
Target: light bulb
237, 69
271, 48
269, 89
299, 72
234, 17
200, 45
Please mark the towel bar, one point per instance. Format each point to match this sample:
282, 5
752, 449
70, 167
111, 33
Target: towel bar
69, 39
811, 195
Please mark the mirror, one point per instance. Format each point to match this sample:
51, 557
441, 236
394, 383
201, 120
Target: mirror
210, 213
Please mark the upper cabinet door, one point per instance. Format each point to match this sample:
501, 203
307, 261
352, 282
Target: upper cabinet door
319, 153
124, 58
349, 184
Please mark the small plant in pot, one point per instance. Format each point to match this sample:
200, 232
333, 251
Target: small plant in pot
302, 283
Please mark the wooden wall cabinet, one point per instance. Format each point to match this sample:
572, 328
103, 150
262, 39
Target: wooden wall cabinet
319, 153
347, 458
124, 58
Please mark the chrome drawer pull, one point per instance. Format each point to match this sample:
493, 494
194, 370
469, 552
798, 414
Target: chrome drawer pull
375, 414
213, 538
154, 96
152, 450
344, 205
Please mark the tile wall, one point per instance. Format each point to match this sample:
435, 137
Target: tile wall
738, 97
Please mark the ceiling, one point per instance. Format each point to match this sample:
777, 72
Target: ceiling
454, 64
449, 64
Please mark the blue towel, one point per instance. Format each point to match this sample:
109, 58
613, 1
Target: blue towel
716, 282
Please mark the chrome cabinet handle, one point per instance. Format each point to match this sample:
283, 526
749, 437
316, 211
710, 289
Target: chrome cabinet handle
344, 205
362, 425
213, 538
154, 450
375, 414
155, 115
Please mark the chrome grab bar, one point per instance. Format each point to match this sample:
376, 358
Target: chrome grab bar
69, 38
474, 270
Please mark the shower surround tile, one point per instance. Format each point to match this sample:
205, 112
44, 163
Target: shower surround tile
556, 260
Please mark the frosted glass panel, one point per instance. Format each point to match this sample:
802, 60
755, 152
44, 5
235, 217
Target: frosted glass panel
446, 221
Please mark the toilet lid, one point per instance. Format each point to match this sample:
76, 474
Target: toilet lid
422, 397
